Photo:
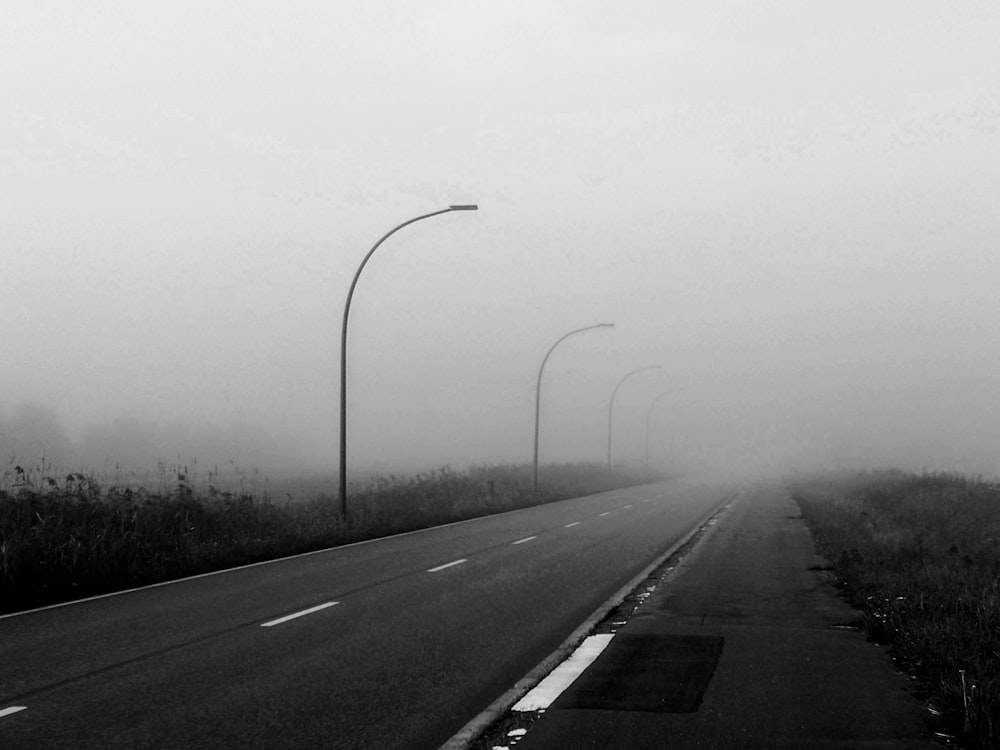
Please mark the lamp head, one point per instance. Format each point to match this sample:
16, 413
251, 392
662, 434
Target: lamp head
464, 207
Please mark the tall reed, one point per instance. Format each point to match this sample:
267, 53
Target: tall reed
920, 557
70, 536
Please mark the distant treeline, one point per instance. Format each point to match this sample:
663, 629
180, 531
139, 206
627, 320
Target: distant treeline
33, 433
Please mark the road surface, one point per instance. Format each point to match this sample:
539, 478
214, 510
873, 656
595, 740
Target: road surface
396, 642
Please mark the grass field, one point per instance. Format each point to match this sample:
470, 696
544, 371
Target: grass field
920, 557
66, 536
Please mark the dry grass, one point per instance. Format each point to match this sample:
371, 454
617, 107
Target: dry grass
68, 536
920, 556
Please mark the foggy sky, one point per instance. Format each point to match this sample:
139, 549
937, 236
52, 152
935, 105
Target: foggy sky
790, 206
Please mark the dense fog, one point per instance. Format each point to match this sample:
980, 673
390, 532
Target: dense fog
789, 208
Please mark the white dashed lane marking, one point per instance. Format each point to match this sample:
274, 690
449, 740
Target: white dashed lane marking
605, 513
571, 525
11, 710
292, 616
447, 565
627, 506
526, 539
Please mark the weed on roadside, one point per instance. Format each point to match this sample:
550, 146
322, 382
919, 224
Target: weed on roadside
919, 556
65, 536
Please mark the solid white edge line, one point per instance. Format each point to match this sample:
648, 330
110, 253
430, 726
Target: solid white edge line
11, 710
545, 692
447, 565
526, 539
223, 571
464, 737
571, 525
374, 540
292, 616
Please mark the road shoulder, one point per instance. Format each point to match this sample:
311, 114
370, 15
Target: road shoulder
744, 646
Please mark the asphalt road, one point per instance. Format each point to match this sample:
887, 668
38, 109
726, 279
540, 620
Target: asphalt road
742, 646
410, 652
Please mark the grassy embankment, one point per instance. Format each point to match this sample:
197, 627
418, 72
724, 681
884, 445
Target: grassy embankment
920, 557
70, 536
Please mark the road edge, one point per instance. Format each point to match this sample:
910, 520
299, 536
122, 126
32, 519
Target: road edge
468, 734
286, 558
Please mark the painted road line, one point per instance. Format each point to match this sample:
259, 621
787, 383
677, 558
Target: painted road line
226, 571
526, 539
11, 710
627, 506
560, 678
571, 525
447, 565
605, 513
292, 616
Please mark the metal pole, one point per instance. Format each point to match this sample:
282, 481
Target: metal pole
611, 406
538, 388
343, 346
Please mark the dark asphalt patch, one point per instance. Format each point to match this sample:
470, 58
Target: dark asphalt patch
660, 674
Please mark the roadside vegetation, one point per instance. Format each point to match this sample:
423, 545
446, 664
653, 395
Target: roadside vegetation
920, 557
67, 536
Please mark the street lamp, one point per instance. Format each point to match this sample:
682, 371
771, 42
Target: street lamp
538, 387
611, 406
343, 345
649, 414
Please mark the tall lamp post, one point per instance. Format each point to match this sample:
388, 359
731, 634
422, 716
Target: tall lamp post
538, 387
343, 345
611, 406
649, 414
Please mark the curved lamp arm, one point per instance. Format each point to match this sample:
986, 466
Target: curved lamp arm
538, 387
343, 343
611, 405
